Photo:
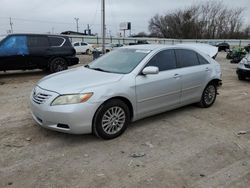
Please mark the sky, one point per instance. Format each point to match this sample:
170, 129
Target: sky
55, 16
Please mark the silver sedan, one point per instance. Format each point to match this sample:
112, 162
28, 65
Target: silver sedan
123, 86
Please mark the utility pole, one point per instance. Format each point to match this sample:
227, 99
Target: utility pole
11, 25
88, 28
103, 27
77, 25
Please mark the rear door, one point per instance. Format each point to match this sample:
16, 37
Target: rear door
14, 53
159, 92
39, 51
77, 47
84, 47
194, 74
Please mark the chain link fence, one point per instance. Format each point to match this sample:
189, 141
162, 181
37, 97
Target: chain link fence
95, 40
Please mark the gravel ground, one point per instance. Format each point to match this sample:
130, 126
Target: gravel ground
188, 147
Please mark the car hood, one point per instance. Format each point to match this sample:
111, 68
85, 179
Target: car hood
76, 80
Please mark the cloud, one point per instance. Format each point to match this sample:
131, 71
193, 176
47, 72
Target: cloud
41, 16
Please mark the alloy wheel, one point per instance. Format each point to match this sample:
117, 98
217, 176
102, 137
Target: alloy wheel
113, 120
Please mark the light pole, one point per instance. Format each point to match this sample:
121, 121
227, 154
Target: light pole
103, 26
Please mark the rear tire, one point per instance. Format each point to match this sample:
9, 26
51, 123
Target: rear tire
58, 64
208, 96
111, 119
88, 52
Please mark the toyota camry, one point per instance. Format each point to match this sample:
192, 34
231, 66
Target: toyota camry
123, 86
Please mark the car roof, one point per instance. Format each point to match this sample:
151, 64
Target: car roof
148, 47
201, 48
33, 34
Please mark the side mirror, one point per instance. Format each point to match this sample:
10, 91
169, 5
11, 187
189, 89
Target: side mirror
150, 70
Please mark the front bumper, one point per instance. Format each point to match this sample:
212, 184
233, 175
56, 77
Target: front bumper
243, 72
73, 119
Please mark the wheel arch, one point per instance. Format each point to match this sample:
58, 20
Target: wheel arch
50, 59
215, 81
124, 99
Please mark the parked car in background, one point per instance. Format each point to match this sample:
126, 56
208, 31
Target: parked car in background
154, 79
243, 70
109, 47
247, 48
139, 42
236, 54
32, 51
223, 46
83, 48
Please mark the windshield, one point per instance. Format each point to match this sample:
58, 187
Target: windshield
248, 57
120, 61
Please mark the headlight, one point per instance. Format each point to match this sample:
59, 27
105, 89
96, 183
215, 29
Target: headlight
71, 99
243, 61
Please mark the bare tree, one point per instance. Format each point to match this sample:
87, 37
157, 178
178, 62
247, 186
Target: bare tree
210, 20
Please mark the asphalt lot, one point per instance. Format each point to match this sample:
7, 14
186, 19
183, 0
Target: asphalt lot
187, 147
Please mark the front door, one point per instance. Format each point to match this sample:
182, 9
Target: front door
160, 92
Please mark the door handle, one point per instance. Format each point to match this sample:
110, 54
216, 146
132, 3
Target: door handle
177, 76
207, 69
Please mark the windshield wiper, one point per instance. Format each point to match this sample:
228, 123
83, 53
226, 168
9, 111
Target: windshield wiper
99, 69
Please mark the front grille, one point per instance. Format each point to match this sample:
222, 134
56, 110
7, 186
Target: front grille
247, 66
40, 97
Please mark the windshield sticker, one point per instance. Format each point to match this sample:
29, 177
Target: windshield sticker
142, 51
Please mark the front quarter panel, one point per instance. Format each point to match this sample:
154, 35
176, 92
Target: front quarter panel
125, 87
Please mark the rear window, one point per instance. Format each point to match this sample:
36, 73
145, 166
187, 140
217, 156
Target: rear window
186, 58
84, 44
202, 60
56, 41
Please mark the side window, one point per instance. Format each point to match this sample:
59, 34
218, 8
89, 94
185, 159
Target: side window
83, 44
14, 45
38, 41
164, 60
202, 60
56, 41
186, 58
76, 44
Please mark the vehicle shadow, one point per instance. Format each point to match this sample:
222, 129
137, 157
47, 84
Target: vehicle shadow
17, 74
90, 138
161, 116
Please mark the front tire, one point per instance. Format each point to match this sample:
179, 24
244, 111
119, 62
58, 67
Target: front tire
208, 96
58, 64
111, 119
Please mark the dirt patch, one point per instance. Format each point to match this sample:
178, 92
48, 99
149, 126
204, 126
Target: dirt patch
187, 147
